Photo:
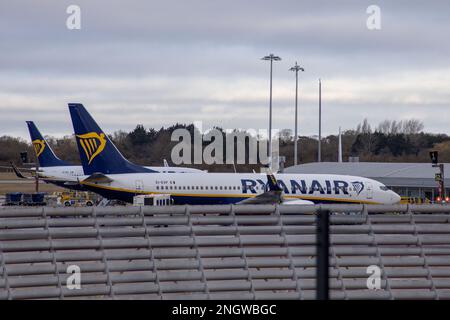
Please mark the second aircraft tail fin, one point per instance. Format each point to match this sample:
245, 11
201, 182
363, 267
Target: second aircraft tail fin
44, 152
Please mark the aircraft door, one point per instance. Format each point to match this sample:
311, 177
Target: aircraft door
139, 185
369, 190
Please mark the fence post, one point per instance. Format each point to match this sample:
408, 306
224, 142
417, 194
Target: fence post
322, 254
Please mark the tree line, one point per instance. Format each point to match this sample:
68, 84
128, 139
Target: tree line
389, 141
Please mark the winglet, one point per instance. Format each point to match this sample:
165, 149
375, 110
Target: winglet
17, 171
272, 182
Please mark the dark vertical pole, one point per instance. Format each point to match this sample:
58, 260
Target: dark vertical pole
270, 117
296, 117
36, 173
37, 180
319, 151
322, 253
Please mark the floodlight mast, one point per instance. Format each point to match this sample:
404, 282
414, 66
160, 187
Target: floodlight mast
296, 68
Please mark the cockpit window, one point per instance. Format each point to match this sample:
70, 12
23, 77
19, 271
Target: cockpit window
384, 188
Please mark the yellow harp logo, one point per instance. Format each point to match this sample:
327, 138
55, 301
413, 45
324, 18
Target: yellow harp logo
92, 144
39, 146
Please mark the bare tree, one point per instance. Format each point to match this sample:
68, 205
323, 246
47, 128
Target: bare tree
286, 135
412, 126
384, 127
364, 127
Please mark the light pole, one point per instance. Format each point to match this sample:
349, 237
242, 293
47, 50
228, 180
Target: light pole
271, 57
296, 68
319, 149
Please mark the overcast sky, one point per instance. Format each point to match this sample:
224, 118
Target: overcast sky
161, 62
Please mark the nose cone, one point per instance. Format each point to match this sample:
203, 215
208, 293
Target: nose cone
395, 198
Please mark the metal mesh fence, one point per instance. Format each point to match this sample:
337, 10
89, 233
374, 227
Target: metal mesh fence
222, 252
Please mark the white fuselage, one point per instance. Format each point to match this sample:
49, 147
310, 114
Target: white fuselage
222, 188
72, 174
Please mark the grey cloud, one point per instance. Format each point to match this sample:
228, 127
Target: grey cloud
174, 61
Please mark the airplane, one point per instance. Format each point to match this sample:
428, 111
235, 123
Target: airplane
109, 174
54, 170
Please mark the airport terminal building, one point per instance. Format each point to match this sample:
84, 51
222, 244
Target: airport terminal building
416, 180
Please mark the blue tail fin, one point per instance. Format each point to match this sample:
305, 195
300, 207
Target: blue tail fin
44, 152
97, 153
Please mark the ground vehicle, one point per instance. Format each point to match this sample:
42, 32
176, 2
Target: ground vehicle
75, 198
152, 200
34, 199
13, 199
416, 200
25, 199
